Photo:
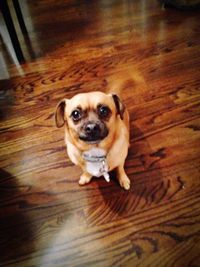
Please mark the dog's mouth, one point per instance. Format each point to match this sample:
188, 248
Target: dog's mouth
91, 139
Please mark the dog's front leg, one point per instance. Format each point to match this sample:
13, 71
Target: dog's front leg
85, 178
123, 178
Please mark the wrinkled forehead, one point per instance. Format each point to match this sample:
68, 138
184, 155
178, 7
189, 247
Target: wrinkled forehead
90, 101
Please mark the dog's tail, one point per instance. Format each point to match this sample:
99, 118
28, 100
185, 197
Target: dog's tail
127, 82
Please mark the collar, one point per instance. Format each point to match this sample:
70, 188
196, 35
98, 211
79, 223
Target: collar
94, 155
92, 158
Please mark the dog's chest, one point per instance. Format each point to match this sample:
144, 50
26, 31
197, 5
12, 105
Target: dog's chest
96, 163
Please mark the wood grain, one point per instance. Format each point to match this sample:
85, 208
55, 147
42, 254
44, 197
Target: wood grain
151, 57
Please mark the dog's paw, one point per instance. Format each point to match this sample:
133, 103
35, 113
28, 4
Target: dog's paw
85, 178
125, 182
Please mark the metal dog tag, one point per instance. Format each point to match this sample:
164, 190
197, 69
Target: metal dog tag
96, 163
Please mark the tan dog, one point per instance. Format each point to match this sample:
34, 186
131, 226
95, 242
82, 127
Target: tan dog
96, 134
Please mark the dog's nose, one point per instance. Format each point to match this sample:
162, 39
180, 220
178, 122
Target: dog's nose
92, 128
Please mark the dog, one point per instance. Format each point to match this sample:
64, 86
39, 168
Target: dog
96, 134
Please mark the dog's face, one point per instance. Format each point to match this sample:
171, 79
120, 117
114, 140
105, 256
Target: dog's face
90, 118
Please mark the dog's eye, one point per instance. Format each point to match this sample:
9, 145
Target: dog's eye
104, 111
76, 115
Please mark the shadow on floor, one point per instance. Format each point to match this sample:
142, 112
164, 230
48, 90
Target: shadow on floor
16, 229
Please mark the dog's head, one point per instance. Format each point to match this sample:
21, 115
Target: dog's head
90, 118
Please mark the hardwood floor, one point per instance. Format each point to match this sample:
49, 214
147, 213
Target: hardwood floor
153, 55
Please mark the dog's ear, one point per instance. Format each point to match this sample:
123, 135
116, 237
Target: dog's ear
59, 115
119, 106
